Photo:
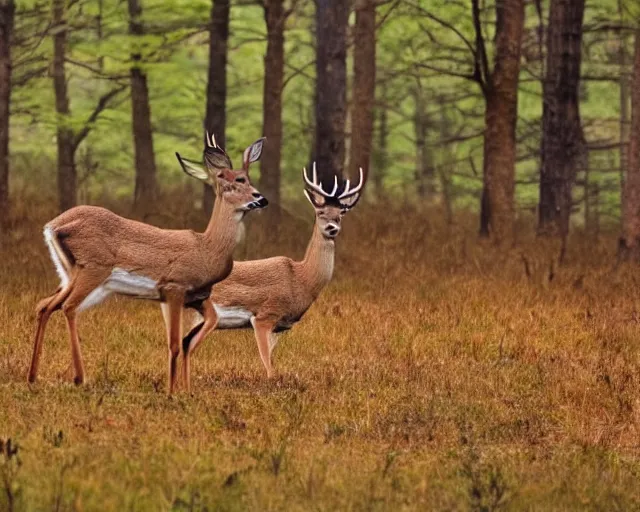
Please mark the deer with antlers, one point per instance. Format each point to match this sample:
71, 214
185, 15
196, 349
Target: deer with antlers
271, 295
98, 253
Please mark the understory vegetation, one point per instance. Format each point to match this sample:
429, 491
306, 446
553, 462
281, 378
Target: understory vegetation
440, 375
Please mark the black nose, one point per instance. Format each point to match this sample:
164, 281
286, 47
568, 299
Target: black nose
262, 202
332, 230
257, 195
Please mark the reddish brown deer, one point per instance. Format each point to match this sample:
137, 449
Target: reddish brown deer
98, 253
271, 295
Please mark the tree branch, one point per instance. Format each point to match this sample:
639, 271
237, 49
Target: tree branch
103, 102
481, 63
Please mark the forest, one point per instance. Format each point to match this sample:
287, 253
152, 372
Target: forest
477, 347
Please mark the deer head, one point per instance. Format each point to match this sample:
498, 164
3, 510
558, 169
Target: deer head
331, 206
232, 186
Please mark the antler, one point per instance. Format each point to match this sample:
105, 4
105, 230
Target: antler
315, 185
349, 192
211, 140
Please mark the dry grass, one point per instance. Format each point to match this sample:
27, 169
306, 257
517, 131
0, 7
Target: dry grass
432, 374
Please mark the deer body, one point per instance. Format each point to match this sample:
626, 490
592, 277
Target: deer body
136, 259
273, 294
98, 253
277, 289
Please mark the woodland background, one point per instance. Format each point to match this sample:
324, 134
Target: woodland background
427, 96
478, 347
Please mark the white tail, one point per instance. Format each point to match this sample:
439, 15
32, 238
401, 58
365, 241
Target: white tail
271, 295
98, 253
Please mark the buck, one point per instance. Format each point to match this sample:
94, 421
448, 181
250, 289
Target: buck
271, 295
97, 253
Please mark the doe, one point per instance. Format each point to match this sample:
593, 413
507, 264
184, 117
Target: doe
98, 253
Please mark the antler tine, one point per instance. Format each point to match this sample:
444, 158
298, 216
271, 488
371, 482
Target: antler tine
315, 176
349, 192
317, 186
335, 187
313, 184
211, 139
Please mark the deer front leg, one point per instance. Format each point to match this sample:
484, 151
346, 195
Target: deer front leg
195, 337
173, 320
266, 339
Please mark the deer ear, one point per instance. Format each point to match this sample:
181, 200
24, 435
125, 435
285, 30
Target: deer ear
253, 153
314, 198
193, 169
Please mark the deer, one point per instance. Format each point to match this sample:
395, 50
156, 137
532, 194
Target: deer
273, 294
97, 253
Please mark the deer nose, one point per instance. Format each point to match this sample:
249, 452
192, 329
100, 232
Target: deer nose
332, 229
260, 201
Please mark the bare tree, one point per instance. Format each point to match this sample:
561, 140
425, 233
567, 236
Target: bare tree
500, 90
624, 104
562, 147
331, 85
425, 171
630, 242
69, 140
215, 119
7, 12
67, 178
275, 16
364, 86
145, 187
379, 153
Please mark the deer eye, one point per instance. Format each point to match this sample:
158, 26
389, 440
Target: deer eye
241, 180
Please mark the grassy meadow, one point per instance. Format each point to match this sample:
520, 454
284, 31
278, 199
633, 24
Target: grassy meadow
434, 373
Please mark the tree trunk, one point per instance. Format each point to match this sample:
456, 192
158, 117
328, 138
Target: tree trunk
215, 119
562, 147
631, 212
7, 11
501, 114
275, 18
331, 87
380, 149
444, 169
67, 179
364, 86
624, 106
145, 187
424, 173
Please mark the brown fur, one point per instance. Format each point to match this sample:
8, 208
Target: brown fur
91, 242
278, 291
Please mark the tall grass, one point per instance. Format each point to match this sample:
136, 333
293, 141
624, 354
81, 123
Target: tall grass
435, 372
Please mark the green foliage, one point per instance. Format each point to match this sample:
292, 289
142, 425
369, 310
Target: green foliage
423, 48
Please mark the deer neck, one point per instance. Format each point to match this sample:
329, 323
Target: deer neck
224, 224
318, 261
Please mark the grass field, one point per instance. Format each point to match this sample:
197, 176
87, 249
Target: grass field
432, 374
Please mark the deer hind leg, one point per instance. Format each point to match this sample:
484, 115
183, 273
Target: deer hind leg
85, 283
44, 309
267, 340
172, 312
193, 339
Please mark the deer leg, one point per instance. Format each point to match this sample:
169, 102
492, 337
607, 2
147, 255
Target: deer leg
192, 340
84, 283
44, 309
76, 353
266, 339
173, 319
